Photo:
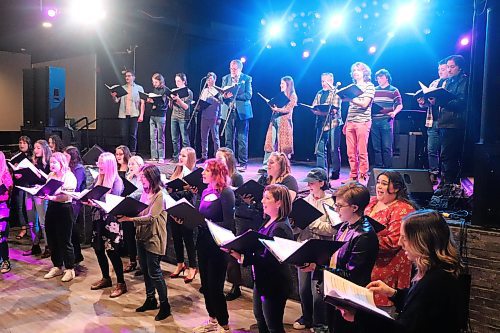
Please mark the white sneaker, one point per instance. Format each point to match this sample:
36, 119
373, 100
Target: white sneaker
54, 271
69, 275
208, 326
161, 160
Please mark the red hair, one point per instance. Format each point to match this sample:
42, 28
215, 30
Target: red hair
219, 173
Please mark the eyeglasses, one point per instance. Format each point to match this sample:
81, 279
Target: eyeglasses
338, 206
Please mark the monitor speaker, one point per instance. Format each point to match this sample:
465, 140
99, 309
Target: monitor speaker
91, 156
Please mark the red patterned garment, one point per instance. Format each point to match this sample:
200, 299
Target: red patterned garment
392, 265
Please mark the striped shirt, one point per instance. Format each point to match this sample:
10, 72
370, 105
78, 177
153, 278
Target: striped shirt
358, 114
388, 98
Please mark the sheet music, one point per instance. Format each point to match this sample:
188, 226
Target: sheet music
281, 247
221, 235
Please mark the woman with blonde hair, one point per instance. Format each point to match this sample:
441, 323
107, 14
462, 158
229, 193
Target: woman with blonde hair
182, 235
59, 220
106, 231
279, 135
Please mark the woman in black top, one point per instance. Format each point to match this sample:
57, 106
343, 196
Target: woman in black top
122, 155
272, 279
436, 302
18, 195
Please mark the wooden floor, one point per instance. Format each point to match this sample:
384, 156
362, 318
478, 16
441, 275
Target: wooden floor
29, 303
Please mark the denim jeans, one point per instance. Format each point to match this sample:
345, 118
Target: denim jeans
433, 148
240, 128
321, 156
179, 128
313, 306
451, 150
35, 211
382, 136
209, 126
157, 136
153, 276
129, 132
269, 311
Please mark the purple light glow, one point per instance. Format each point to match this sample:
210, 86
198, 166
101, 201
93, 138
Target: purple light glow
51, 12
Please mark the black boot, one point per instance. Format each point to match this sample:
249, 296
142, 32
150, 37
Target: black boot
149, 304
164, 311
35, 250
234, 293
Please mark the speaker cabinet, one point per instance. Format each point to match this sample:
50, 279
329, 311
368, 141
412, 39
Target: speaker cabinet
44, 93
91, 156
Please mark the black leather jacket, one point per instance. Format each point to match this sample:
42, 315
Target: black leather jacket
453, 114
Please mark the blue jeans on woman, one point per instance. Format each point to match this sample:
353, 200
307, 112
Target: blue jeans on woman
179, 127
313, 306
381, 136
157, 136
433, 148
153, 276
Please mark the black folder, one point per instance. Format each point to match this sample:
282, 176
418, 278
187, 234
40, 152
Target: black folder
128, 187
349, 92
96, 193
303, 213
279, 100
378, 109
378, 227
202, 105
419, 93
119, 206
321, 107
49, 188
246, 242
182, 92
442, 96
229, 89
17, 158
176, 184
253, 188
195, 179
318, 251
155, 97
119, 90
191, 217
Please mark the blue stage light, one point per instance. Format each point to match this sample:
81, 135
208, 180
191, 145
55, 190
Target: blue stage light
275, 30
335, 22
406, 14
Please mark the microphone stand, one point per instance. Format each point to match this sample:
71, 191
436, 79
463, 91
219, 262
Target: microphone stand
232, 107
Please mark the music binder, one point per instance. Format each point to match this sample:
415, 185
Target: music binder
17, 158
332, 215
94, 193
49, 188
378, 109
30, 175
191, 217
128, 187
442, 96
121, 206
278, 101
303, 213
349, 92
181, 92
253, 188
202, 105
244, 243
229, 89
176, 184
119, 90
318, 251
325, 108
419, 93
195, 179
341, 292
155, 97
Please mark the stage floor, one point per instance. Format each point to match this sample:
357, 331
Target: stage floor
29, 303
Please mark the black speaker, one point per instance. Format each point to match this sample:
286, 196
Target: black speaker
91, 157
418, 183
44, 93
486, 210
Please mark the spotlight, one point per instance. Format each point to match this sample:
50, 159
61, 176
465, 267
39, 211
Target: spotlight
464, 41
243, 59
335, 22
47, 25
51, 12
87, 12
406, 14
293, 44
275, 30
306, 54
372, 49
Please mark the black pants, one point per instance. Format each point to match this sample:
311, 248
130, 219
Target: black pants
337, 323
130, 242
451, 150
129, 127
269, 311
75, 235
59, 227
183, 236
233, 268
4, 235
212, 264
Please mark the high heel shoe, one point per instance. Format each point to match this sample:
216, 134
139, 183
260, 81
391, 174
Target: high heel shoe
187, 279
21, 233
176, 275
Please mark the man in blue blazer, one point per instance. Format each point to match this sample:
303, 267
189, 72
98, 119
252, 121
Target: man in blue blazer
237, 114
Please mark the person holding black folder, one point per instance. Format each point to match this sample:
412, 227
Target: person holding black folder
210, 116
279, 136
182, 235
151, 235
216, 205
313, 306
272, 283
107, 233
131, 110
437, 300
6, 185
59, 220
158, 118
36, 207
181, 112
18, 195
358, 123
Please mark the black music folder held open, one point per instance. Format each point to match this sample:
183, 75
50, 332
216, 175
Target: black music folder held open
119, 90
182, 92
121, 206
155, 97
303, 213
17, 158
341, 292
349, 92
195, 179
176, 184
442, 96
191, 217
318, 251
233, 89
202, 105
49, 188
30, 175
321, 107
94, 193
128, 187
419, 93
279, 100
253, 188
244, 243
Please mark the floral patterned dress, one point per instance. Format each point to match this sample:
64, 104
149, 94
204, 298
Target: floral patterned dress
392, 265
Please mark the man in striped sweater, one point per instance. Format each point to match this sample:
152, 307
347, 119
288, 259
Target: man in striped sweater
388, 98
